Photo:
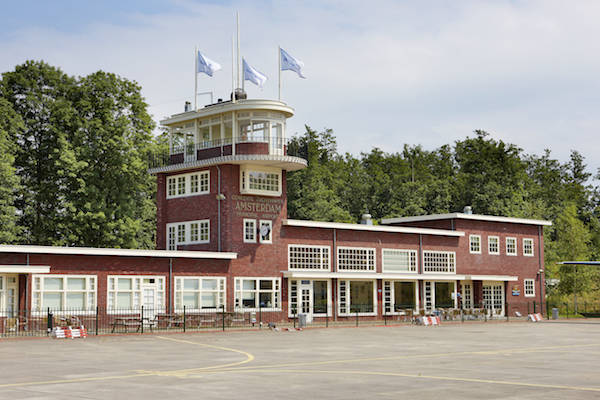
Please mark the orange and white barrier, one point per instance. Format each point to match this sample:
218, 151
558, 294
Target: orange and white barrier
535, 317
428, 321
67, 332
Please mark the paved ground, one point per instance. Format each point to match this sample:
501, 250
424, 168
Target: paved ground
547, 360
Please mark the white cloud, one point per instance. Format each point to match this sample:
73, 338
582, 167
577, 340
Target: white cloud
379, 73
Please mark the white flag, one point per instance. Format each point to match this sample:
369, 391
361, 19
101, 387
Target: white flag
207, 65
253, 75
290, 63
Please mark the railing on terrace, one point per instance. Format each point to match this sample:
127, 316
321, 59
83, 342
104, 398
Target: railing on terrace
100, 321
192, 152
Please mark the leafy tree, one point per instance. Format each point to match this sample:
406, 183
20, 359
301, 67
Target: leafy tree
10, 125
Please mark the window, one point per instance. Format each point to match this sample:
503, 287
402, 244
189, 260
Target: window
266, 181
191, 184
439, 261
493, 245
395, 260
254, 293
357, 297
249, 231
266, 231
444, 294
309, 296
529, 287
475, 244
511, 246
131, 292
528, 247
398, 296
196, 293
308, 257
188, 232
64, 292
356, 259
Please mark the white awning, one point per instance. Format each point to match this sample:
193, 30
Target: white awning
24, 269
371, 275
505, 278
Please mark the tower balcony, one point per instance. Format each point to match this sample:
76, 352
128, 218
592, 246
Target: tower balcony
263, 150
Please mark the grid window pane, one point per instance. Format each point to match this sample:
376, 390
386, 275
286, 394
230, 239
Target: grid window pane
308, 257
356, 259
53, 284
399, 260
439, 261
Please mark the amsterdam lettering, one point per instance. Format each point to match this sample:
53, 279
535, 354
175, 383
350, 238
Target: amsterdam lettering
246, 206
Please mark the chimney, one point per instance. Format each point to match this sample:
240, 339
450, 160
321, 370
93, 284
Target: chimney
366, 219
187, 107
468, 210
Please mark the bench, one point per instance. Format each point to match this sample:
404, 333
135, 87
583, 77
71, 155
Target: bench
133, 322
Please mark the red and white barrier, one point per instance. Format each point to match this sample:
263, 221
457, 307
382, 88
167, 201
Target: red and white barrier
535, 317
428, 321
67, 332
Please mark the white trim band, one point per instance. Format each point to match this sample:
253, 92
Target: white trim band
90, 251
478, 217
374, 228
24, 269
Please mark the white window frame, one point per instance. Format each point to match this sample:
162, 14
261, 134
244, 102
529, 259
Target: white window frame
346, 304
471, 238
369, 251
245, 171
389, 297
260, 225
294, 294
180, 290
325, 264
38, 290
239, 291
412, 255
530, 240
254, 235
203, 176
497, 252
160, 285
514, 239
450, 269
531, 293
188, 233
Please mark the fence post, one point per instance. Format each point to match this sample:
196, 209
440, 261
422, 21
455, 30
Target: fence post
96, 320
260, 315
567, 304
357, 317
184, 318
506, 310
295, 314
327, 317
384, 315
223, 316
142, 320
534, 308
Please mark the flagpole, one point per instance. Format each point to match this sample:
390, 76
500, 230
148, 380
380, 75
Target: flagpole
195, 78
232, 69
279, 59
239, 65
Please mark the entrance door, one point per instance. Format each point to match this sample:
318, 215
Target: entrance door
276, 139
8, 295
493, 298
149, 300
190, 147
306, 299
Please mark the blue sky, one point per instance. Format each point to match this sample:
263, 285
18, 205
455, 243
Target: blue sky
380, 73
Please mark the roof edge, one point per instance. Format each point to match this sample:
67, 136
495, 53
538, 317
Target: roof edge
477, 217
372, 228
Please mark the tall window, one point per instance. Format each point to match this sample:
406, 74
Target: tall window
196, 293
439, 261
190, 184
254, 293
398, 296
475, 244
64, 292
266, 231
130, 292
493, 245
302, 256
249, 231
528, 247
511, 246
356, 259
395, 260
529, 287
188, 232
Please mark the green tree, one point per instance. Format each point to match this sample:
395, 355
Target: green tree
10, 125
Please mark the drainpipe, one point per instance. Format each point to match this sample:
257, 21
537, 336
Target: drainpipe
171, 285
219, 198
420, 282
334, 284
27, 277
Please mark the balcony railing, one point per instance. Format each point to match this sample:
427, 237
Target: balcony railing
223, 147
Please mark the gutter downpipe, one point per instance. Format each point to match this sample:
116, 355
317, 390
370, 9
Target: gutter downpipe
219, 208
421, 283
334, 284
540, 265
27, 277
171, 285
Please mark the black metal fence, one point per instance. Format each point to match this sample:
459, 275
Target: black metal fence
100, 321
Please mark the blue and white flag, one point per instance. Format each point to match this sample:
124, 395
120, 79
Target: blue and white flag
207, 65
253, 75
290, 63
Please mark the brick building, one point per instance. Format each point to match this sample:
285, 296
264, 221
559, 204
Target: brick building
223, 238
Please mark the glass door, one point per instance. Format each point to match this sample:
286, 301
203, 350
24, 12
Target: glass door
306, 299
493, 299
276, 139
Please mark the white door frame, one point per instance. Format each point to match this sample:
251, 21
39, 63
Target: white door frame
9, 295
